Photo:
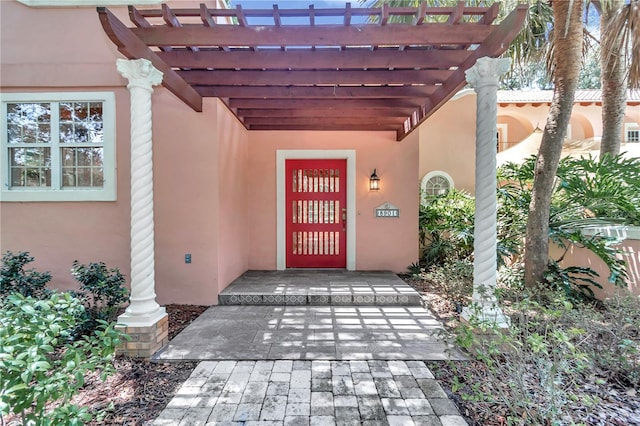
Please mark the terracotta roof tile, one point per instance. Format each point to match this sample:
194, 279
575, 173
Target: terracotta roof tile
534, 96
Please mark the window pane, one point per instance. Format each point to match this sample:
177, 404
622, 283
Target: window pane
30, 167
28, 123
81, 122
437, 185
82, 167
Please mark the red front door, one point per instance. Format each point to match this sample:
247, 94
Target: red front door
316, 213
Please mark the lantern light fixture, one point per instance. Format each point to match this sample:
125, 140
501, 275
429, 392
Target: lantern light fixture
374, 182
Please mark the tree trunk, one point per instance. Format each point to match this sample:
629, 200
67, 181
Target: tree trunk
567, 58
614, 84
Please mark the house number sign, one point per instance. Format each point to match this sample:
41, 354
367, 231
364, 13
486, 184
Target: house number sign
387, 210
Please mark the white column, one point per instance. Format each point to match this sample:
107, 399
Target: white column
483, 77
143, 310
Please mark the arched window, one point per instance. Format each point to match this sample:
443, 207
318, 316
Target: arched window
435, 183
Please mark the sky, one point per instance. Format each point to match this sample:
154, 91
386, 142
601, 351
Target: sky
290, 4
297, 4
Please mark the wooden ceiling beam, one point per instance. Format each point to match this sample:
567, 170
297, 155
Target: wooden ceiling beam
320, 120
457, 14
325, 35
334, 92
298, 12
133, 48
421, 13
289, 78
495, 44
137, 18
490, 15
308, 60
337, 104
328, 127
324, 112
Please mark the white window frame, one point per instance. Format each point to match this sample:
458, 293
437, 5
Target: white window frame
106, 193
628, 128
427, 177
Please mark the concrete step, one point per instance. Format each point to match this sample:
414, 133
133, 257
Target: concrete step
319, 288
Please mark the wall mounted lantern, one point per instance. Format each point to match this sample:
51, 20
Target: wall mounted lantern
374, 182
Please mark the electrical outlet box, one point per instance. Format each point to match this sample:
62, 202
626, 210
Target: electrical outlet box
187, 258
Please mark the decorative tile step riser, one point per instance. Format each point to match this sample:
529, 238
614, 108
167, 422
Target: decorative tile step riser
318, 300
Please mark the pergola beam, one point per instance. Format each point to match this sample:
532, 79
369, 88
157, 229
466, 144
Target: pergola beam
324, 112
133, 48
341, 104
434, 34
493, 46
381, 74
308, 60
288, 78
345, 127
311, 121
316, 92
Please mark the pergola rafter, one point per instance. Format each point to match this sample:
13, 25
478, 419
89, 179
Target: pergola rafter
361, 72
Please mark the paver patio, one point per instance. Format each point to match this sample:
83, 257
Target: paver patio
310, 332
320, 392
312, 364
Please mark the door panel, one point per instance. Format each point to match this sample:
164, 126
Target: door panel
316, 199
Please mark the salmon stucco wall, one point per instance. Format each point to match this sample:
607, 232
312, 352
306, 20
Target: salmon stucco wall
381, 243
199, 166
586, 120
630, 253
185, 200
233, 216
447, 141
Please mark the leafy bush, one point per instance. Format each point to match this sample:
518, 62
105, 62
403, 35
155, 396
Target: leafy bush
614, 340
102, 292
15, 279
446, 227
528, 370
455, 278
557, 355
608, 188
588, 192
42, 368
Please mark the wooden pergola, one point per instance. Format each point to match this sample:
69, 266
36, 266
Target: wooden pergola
367, 73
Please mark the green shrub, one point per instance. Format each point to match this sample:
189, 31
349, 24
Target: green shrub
15, 279
614, 340
102, 292
455, 278
446, 228
555, 357
527, 372
42, 367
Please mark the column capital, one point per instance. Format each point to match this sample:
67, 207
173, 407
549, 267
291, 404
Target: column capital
487, 71
140, 73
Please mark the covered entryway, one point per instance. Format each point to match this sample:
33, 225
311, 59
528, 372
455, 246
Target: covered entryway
376, 70
316, 198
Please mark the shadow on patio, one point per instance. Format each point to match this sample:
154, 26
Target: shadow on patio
311, 332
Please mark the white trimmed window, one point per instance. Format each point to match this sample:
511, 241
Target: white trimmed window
632, 133
435, 183
58, 146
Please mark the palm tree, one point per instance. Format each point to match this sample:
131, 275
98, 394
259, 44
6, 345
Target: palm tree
565, 64
564, 56
620, 61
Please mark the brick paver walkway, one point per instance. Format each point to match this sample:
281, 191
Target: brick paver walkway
319, 392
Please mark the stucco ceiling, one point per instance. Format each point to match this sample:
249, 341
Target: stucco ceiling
316, 69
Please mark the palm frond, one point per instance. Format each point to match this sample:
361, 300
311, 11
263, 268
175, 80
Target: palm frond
622, 34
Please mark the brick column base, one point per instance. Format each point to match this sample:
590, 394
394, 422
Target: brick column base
144, 341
